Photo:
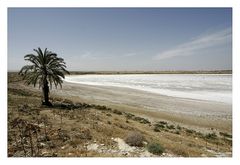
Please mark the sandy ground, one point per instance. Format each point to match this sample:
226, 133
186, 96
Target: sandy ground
192, 113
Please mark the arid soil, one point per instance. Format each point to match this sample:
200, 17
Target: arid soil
92, 121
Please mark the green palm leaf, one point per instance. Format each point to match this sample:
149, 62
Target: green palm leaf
46, 69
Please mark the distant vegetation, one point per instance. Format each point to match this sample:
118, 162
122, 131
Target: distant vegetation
152, 72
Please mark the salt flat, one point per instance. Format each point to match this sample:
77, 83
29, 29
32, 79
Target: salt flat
191, 112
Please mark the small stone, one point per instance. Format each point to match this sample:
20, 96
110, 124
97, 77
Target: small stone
42, 144
45, 153
92, 147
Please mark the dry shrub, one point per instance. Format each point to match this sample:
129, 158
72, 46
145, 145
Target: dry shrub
134, 139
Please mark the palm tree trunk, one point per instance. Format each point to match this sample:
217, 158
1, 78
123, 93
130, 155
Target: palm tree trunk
46, 93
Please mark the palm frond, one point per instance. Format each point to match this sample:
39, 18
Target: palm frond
45, 65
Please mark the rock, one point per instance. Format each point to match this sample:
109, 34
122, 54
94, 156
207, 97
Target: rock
123, 146
45, 153
42, 145
145, 143
93, 147
145, 154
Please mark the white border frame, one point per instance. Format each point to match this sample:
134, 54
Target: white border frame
4, 4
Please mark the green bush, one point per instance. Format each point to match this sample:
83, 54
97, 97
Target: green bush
189, 131
225, 135
160, 126
162, 122
117, 112
142, 120
170, 126
155, 148
211, 136
178, 127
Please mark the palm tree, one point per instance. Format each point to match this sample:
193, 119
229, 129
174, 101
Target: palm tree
46, 68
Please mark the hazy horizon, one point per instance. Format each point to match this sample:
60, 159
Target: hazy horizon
124, 39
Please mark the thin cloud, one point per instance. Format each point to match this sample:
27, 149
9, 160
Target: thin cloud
200, 43
91, 56
87, 55
129, 55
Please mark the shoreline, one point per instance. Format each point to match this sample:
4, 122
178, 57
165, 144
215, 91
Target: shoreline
184, 94
197, 114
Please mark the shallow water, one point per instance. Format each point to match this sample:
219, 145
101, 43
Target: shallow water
211, 87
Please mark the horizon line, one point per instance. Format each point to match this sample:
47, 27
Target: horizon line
194, 70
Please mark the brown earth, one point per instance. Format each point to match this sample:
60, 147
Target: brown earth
84, 126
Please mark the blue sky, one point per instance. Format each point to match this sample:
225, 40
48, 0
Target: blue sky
123, 39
